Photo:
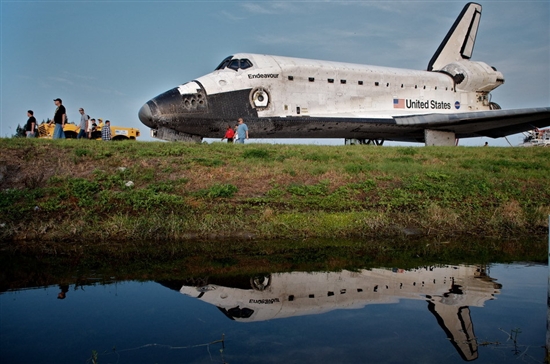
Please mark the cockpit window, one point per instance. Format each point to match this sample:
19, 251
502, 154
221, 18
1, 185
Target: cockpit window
245, 63
234, 64
224, 63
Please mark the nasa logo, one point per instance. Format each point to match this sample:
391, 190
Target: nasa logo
457, 105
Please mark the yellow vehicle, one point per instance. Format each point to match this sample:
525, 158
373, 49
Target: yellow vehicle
45, 130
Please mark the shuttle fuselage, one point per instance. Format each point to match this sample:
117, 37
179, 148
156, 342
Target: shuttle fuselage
283, 97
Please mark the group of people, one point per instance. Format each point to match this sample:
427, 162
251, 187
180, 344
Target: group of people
238, 134
87, 126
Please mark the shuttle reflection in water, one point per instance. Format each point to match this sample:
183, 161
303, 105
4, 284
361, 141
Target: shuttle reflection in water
449, 291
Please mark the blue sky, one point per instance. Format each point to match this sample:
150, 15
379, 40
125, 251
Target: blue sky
110, 57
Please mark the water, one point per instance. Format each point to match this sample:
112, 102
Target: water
490, 314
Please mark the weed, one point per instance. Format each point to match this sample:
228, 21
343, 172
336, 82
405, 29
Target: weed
103, 154
79, 152
317, 157
257, 154
208, 162
408, 151
317, 171
143, 200
308, 190
355, 168
163, 186
275, 193
34, 181
290, 172
405, 159
364, 186
218, 190
83, 190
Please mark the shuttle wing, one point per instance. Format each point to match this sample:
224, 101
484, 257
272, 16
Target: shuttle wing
493, 123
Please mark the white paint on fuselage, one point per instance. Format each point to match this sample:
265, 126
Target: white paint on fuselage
356, 91
303, 293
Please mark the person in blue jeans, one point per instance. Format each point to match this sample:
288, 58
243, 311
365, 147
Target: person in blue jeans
84, 120
242, 131
60, 118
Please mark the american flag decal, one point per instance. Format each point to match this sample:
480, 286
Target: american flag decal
398, 103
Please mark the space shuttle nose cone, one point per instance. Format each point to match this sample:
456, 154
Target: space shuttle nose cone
146, 116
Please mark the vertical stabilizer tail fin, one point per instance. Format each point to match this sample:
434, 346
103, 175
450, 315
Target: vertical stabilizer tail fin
459, 41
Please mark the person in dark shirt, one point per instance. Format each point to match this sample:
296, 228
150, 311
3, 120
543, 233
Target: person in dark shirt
91, 127
30, 128
59, 119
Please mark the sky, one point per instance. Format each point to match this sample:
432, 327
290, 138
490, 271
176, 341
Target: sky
110, 57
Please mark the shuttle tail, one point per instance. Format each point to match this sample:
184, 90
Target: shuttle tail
459, 42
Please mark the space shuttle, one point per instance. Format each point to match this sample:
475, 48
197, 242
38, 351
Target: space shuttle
449, 290
283, 97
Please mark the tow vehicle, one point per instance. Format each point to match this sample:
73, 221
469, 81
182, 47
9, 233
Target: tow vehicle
45, 131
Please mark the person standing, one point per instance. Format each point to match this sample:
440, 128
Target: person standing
242, 131
30, 128
229, 134
106, 131
84, 120
91, 127
59, 118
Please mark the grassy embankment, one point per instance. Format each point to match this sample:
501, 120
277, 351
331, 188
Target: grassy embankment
77, 191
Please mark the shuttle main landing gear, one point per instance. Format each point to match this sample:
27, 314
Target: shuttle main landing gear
174, 136
364, 141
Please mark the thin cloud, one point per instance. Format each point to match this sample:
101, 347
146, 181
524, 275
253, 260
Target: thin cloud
61, 80
81, 77
230, 16
269, 8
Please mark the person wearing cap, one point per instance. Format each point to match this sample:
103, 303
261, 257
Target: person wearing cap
100, 123
59, 118
84, 121
106, 131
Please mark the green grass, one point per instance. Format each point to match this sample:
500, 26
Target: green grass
90, 190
